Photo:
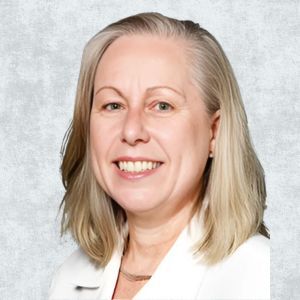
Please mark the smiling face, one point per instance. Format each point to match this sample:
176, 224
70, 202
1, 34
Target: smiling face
150, 135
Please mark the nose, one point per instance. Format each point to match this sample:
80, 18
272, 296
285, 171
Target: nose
134, 129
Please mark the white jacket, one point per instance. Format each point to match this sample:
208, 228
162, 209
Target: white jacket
243, 275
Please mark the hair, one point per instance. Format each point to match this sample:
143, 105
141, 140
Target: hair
233, 181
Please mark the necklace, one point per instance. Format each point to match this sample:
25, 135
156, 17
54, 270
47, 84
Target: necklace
133, 277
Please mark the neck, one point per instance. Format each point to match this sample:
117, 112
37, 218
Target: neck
149, 240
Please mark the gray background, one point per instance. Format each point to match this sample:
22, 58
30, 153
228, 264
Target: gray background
41, 46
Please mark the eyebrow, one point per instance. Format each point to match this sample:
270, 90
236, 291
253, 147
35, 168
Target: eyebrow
149, 89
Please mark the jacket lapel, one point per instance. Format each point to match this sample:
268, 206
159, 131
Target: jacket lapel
93, 281
180, 273
85, 273
178, 276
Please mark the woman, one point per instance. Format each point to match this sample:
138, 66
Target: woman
164, 193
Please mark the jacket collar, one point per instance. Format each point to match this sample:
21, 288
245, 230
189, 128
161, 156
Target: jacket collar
180, 273
85, 273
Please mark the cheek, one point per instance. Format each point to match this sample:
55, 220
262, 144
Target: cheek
98, 152
196, 144
100, 136
191, 133
95, 139
99, 143
200, 127
200, 135
94, 151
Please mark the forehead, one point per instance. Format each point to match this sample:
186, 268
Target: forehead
143, 60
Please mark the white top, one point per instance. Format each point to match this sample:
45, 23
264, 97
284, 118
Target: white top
243, 275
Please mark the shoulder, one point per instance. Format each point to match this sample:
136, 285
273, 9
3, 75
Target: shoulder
245, 273
76, 261
76, 270
251, 259
249, 266
73, 264
255, 249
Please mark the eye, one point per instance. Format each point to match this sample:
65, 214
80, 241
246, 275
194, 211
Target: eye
112, 106
163, 106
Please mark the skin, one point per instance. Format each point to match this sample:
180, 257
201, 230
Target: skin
160, 124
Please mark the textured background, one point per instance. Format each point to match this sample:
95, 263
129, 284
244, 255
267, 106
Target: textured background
40, 47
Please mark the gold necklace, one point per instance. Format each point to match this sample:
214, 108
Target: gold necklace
133, 277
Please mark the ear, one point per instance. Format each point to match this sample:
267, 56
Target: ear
214, 127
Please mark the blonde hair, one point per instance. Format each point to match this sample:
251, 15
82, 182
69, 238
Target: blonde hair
233, 180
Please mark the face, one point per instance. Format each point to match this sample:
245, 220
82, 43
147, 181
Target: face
150, 135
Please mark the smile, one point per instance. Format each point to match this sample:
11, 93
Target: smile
137, 166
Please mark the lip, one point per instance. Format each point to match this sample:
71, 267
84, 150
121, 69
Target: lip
137, 158
135, 175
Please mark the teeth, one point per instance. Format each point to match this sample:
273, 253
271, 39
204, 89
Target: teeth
137, 166
130, 166
144, 165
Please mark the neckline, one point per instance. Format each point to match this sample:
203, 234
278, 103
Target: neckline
182, 247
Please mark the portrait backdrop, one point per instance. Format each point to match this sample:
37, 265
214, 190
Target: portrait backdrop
41, 46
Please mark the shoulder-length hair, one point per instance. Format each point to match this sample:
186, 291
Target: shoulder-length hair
233, 181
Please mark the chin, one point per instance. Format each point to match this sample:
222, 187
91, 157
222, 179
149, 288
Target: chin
136, 204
